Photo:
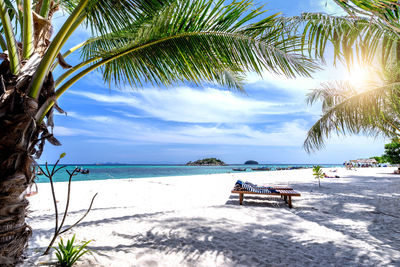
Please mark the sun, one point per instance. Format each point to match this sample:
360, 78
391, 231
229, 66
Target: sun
359, 76
363, 77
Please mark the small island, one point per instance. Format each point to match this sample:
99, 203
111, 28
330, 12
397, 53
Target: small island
251, 162
206, 162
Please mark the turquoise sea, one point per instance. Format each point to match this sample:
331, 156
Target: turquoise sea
102, 172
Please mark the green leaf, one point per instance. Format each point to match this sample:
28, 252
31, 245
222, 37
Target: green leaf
193, 41
104, 16
376, 111
69, 254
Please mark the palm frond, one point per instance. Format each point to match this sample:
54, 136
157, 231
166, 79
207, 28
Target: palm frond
179, 17
197, 41
10, 37
373, 112
103, 16
353, 38
385, 12
54, 48
27, 39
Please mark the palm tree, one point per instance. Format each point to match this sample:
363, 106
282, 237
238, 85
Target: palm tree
345, 110
369, 34
160, 42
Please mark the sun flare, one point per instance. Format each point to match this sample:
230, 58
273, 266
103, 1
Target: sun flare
360, 77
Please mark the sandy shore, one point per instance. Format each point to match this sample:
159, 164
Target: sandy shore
196, 221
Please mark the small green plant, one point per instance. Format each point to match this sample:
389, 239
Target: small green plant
317, 172
68, 254
49, 173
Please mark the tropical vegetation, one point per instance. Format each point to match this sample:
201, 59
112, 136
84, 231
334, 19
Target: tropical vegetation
369, 35
207, 161
50, 172
134, 42
68, 254
318, 174
251, 162
380, 159
391, 153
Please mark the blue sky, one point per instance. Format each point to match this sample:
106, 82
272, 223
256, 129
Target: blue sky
183, 122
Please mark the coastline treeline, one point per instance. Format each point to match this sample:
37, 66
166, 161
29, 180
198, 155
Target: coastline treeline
207, 162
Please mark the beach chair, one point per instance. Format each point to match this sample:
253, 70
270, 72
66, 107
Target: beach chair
243, 188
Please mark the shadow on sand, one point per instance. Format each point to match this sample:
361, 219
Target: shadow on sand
265, 243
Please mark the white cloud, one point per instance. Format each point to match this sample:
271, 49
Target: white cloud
300, 84
69, 114
184, 104
108, 98
268, 80
328, 6
125, 114
123, 131
64, 131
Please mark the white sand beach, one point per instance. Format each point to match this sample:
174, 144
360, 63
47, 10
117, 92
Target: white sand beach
196, 221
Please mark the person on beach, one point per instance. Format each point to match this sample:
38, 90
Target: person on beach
328, 176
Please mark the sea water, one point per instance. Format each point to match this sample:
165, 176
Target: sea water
102, 172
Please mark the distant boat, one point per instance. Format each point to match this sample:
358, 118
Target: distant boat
39, 172
85, 171
78, 169
261, 169
239, 169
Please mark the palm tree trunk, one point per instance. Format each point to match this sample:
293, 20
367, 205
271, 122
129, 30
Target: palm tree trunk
18, 137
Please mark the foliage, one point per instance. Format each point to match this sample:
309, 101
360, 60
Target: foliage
318, 174
207, 161
150, 41
392, 152
364, 34
381, 159
373, 111
193, 41
251, 162
369, 34
134, 42
68, 254
58, 227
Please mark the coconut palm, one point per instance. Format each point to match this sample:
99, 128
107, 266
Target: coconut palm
369, 34
345, 110
135, 42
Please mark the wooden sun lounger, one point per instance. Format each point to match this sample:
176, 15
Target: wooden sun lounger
285, 192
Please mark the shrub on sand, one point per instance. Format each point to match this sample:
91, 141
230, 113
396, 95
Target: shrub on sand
318, 174
68, 254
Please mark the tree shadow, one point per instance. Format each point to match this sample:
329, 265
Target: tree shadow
257, 201
270, 243
368, 212
247, 245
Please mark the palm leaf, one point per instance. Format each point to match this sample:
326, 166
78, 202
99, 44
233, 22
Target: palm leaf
353, 38
373, 112
198, 41
385, 12
104, 16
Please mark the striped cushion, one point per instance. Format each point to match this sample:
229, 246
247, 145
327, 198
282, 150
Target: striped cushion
256, 189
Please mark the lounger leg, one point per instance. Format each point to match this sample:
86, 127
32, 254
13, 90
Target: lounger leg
290, 201
240, 199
